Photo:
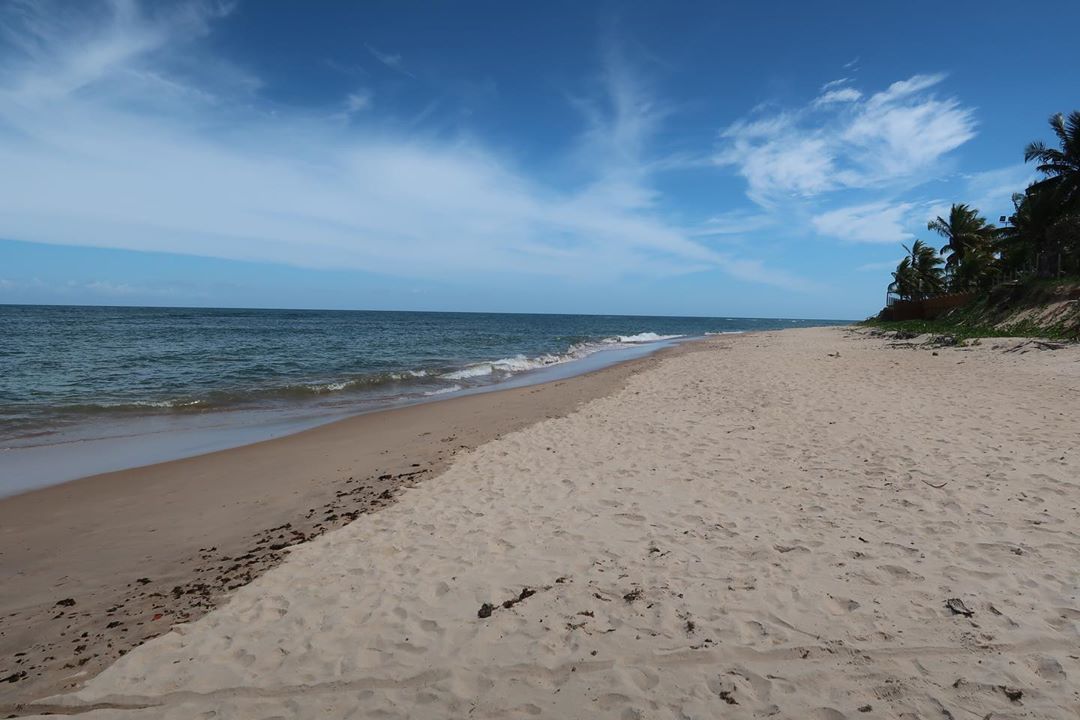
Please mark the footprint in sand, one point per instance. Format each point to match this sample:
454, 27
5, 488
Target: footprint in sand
841, 606
899, 572
827, 713
1048, 668
752, 631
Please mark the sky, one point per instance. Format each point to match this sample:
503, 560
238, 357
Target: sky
682, 158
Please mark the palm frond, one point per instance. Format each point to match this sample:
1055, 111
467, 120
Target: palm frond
1034, 150
1057, 124
1072, 132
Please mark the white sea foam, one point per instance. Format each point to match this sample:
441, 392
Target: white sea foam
478, 370
443, 391
727, 332
340, 385
329, 387
152, 403
521, 363
644, 337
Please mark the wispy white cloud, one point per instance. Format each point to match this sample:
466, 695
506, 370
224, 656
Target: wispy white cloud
888, 221
991, 190
103, 289
394, 61
900, 134
988, 191
903, 88
112, 135
848, 141
621, 120
355, 104
734, 222
112, 288
775, 157
877, 222
358, 101
835, 84
838, 95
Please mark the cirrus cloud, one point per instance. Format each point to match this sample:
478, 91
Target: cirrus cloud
842, 140
876, 222
840, 95
113, 135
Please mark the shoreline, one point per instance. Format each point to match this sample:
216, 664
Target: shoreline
155, 439
136, 386
141, 548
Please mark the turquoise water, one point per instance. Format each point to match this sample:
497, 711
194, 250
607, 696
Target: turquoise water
64, 369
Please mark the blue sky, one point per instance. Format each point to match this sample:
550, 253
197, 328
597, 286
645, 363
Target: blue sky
753, 159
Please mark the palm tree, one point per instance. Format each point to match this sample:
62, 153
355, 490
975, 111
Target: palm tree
1064, 238
1061, 167
1024, 240
925, 265
969, 246
904, 282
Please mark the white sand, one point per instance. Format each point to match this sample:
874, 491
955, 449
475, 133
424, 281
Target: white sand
772, 504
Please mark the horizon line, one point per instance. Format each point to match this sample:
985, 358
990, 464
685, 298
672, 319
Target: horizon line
432, 312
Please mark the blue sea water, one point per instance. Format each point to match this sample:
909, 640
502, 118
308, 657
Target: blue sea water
80, 374
61, 365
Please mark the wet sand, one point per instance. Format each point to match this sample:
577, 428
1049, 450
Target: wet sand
117, 443
94, 567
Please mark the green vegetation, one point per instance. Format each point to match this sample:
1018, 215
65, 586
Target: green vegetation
942, 328
937, 328
1034, 308
1027, 271
970, 244
918, 275
1041, 239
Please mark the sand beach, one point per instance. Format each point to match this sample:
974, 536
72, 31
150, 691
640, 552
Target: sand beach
800, 524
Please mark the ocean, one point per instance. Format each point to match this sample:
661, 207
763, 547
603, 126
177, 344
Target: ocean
78, 374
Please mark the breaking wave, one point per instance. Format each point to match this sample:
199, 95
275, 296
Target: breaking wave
420, 382
644, 337
521, 363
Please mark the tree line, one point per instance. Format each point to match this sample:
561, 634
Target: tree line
1040, 239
